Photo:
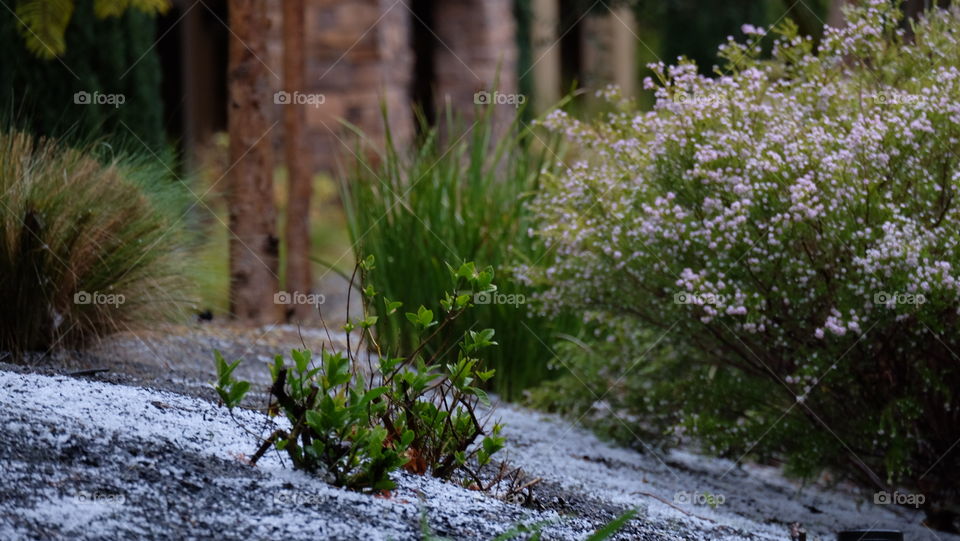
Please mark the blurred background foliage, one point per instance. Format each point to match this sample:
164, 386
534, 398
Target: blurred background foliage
669, 30
130, 54
114, 55
119, 55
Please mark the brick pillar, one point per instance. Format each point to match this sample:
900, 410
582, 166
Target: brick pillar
835, 16
358, 55
546, 54
477, 49
609, 50
624, 50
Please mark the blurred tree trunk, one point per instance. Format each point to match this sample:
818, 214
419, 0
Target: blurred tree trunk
298, 197
913, 8
810, 20
835, 17
545, 54
253, 241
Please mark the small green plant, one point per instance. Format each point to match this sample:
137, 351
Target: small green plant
335, 430
612, 527
534, 531
528, 532
231, 391
354, 423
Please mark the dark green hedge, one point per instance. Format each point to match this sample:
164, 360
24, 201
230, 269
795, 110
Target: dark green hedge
38, 95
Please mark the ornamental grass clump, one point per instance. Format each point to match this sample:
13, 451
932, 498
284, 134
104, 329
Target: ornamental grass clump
791, 227
88, 244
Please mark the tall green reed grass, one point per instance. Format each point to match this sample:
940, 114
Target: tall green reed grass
459, 194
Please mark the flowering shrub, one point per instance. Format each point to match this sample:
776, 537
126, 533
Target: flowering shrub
791, 226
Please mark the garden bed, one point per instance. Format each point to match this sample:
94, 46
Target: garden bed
117, 455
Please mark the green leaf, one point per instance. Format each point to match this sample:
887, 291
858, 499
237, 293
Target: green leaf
42, 24
481, 394
392, 306
473, 340
368, 263
316, 421
377, 436
372, 395
467, 271
224, 369
301, 359
109, 8
516, 531
238, 391
613, 526
276, 367
486, 374
387, 365
231, 392
425, 317
484, 280
384, 484
151, 7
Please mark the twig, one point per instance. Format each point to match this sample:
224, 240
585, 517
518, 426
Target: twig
349, 292
89, 372
267, 443
300, 335
684, 511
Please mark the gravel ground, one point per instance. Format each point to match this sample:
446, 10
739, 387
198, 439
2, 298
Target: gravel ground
179, 358
141, 451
